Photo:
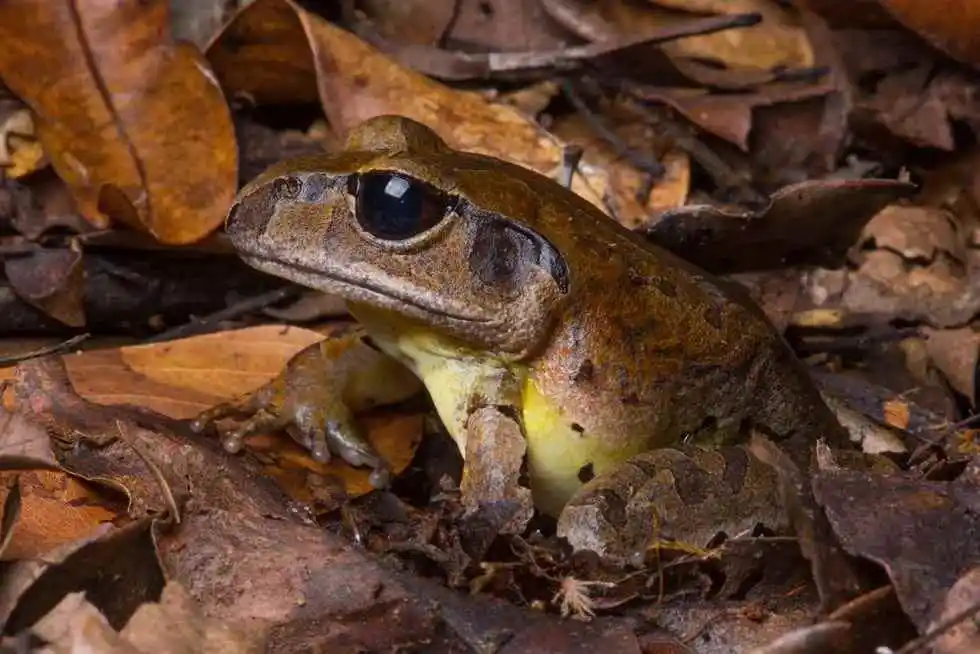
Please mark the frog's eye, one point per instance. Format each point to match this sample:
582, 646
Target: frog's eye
286, 188
395, 207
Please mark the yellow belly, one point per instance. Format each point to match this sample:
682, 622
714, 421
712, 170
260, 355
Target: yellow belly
558, 455
561, 458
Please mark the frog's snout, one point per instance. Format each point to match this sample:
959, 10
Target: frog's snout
240, 225
247, 219
232, 216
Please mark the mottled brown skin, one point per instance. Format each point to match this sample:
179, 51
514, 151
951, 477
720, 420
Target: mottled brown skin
603, 344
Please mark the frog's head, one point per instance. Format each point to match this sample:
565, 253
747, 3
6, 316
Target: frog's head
459, 243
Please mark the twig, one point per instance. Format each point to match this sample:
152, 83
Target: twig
446, 31
965, 422
241, 308
940, 629
638, 159
837, 344
571, 155
164, 485
43, 351
717, 169
462, 66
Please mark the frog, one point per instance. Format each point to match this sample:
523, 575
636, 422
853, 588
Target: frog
556, 345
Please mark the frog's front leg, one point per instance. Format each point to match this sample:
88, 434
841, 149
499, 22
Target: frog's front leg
493, 444
315, 399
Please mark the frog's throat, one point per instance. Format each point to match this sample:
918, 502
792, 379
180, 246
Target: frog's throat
354, 290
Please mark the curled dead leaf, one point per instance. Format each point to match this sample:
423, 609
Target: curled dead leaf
956, 627
778, 41
950, 25
117, 104
20, 151
633, 207
955, 353
811, 222
56, 507
916, 233
464, 65
272, 39
943, 293
928, 525
182, 378
51, 280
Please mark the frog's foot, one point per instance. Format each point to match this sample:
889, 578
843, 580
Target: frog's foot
491, 488
672, 498
304, 402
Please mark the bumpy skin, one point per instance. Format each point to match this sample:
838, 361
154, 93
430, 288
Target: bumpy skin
525, 296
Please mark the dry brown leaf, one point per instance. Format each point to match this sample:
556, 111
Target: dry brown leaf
178, 623
52, 280
134, 122
950, 25
959, 614
56, 508
42, 203
814, 222
730, 115
777, 41
504, 25
23, 439
916, 233
669, 192
922, 533
857, 14
20, 151
218, 366
181, 378
75, 624
955, 353
896, 413
789, 142
532, 99
919, 105
272, 39
422, 22
914, 264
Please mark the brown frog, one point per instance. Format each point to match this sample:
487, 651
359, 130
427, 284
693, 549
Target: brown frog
547, 335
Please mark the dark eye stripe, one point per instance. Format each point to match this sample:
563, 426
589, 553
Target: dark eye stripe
503, 253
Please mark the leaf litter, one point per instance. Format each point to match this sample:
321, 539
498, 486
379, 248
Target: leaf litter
824, 157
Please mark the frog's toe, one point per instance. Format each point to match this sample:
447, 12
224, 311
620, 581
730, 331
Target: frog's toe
356, 451
261, 420
253, 408
313, 440
214, 414
381, 476
331, 431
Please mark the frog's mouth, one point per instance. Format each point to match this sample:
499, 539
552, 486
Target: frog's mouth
354, 290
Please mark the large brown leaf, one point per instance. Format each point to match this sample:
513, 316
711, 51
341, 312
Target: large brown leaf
950, 25
133, 121
275, 52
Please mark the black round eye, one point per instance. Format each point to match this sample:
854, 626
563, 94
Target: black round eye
395, 207
286, 188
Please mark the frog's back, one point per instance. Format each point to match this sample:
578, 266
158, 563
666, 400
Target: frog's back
651, 350
647, 339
